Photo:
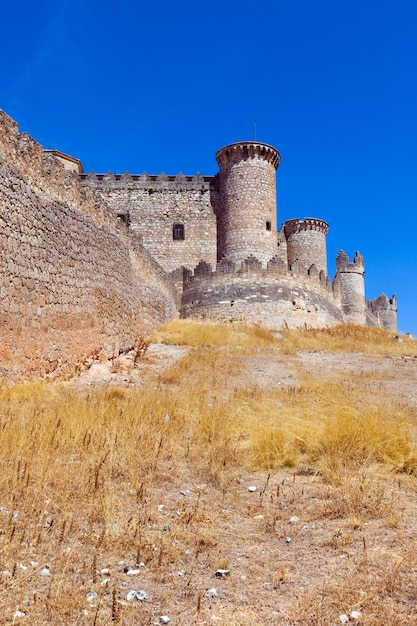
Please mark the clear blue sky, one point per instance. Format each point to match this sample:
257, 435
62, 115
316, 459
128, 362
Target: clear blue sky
161, 86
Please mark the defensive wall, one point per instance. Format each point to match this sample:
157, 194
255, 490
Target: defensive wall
152, 207
72, 283
274, 297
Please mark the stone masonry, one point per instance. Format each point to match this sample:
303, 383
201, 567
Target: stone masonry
91, 261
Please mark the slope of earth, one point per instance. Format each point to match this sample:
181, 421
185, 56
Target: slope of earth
205, 522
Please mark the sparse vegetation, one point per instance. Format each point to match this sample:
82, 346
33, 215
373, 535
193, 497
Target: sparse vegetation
156, 476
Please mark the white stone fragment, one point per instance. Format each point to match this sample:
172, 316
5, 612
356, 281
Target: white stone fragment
355, 615
252, 488
19, 614
45, 571
294, 519
91, 595
344, 619
164, 619
222, 573
211, 593
136, 594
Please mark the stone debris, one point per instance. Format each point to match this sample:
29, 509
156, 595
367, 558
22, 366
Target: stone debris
19, 614
211, 593
45, 571
136, 594
164, 619
294, 519
222, 573
91, 596
252, 488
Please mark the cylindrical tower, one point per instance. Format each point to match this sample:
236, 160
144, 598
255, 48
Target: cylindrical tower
352, 287
306, 242
247, 212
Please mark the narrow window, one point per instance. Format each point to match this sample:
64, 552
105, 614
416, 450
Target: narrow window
178, 232
268, 225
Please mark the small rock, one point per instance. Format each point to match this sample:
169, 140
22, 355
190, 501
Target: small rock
288, 539
222, 573
211, 593
258, 517
105, 582
355, 615
160, 508
124, 584
21, 566
105, 570
185, 492
19, 614
344, 619
45, 571
294, 519
164, 619
252, 488
133, 572
136, 594
91, 595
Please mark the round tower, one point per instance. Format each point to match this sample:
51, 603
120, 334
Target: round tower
306, 242
246, 215
352, 287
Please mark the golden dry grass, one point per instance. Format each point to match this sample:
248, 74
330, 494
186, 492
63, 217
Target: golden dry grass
86, 471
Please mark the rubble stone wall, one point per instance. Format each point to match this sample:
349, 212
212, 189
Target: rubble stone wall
71, 284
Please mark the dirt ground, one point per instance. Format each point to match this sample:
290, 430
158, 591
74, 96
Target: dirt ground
291, 557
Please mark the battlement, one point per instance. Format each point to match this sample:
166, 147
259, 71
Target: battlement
162, 182
343, 264
274, 296
308, 223
252, 267
244, 150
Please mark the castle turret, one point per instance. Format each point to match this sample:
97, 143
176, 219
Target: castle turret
382, 312
246, 214
306, 242
352, 287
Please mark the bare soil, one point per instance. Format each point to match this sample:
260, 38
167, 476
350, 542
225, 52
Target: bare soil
292, 557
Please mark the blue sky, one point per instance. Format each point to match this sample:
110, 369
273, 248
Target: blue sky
155, 87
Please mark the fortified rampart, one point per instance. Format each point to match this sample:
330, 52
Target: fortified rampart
71, 284
91, 260
272, 297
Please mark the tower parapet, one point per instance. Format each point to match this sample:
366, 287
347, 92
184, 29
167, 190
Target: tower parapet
306, 242
246, 211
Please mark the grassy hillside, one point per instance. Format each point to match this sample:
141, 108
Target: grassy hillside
155, 476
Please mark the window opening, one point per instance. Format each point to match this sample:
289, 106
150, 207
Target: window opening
178, 232
268, 225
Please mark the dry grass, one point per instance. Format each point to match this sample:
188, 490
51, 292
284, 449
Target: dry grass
349, 338
93, 477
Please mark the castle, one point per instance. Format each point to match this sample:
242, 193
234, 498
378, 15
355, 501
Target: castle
217, 237
90, 260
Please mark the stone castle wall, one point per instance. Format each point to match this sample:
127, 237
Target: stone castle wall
154, 205
274, 297
71, 284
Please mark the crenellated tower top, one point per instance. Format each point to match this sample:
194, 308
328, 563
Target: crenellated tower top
243, 150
